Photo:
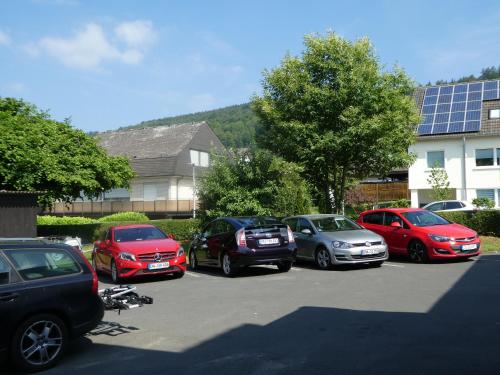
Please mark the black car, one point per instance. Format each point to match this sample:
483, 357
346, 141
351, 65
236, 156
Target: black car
48, 294
233, 242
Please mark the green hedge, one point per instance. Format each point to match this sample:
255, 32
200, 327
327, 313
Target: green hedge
182, 229
485, 222
63, 220
124, 216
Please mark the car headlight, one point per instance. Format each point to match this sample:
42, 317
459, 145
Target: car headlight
127, 256
341, 245
180, 252
438, 238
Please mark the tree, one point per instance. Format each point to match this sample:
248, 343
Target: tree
336, 112
438, 179
483, 203
40, 154
252, 183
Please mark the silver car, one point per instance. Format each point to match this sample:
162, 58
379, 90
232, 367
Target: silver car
335, 239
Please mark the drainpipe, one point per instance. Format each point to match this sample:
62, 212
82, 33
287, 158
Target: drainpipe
464, 173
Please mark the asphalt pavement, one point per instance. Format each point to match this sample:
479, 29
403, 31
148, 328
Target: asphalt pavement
401, 318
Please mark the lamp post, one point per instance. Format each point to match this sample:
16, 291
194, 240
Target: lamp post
194, 189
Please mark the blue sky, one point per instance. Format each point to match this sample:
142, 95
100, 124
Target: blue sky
108, 64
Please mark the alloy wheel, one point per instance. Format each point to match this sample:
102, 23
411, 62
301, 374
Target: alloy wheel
114, 272
323, 258
41, 342
192, 260
418, 252
226, 264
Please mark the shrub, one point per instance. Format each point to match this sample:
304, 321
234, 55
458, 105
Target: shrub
124, 216
483, 202
63, 220
485, 222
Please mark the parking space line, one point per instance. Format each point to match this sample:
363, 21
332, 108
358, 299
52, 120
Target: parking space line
192, 274
296, 269
393, 265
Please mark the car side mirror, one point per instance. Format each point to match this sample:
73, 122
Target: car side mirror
396, 224
306, 231
107, 242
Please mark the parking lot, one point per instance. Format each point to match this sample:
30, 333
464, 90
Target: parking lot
401, 318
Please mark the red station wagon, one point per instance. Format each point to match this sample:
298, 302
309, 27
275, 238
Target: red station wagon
421, 234
134, 250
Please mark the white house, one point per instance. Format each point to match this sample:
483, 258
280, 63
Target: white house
460, 132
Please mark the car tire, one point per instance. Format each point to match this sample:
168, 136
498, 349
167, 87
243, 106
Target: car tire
47, 347
114, 273
193, 262
284, 266
178, 275
417, 252
322, 258
376, 264
228, 269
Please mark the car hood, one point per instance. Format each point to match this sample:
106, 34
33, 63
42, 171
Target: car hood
450, 230
352, 236
148, 246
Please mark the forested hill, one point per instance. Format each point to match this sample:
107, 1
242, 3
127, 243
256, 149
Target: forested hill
235, 125
491, 72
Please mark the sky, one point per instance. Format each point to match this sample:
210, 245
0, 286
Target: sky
107, 64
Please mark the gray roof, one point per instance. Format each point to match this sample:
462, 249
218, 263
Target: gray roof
149, 142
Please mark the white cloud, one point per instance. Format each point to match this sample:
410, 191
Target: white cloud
137, 34
4, 39
90, 47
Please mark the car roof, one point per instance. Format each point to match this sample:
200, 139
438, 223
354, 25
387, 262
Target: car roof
395, 210
132, 226
33, 245
314, 216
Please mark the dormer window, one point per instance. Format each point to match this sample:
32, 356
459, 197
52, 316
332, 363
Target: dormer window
199, 158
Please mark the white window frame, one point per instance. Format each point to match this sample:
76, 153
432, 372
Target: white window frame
496, 156
199, 158
427, 159
496, 195
494, 114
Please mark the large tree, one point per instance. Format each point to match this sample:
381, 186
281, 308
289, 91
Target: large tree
40, 154
252, 183
337, 112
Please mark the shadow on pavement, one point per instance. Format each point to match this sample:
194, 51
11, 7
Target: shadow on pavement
459, 335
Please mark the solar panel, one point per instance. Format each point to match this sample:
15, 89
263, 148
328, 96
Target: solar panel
456, 108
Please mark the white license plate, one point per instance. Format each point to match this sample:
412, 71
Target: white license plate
157, 266
469, 247
269, 241
369, 251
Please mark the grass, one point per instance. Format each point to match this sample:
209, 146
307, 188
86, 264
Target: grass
490, 244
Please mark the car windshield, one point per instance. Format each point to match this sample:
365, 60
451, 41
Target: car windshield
139, 234
258, 220
334, 224
424, 218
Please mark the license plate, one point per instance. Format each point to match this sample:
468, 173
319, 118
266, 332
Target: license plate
369, 251
157, 266
469, 247
269, 241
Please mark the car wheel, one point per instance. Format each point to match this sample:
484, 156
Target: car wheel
193, 262
114, 272
418, 252
228, 269
323, 259
39, 342
378, 263
284, 266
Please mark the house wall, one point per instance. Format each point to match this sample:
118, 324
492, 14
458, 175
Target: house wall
167, 188
475, 177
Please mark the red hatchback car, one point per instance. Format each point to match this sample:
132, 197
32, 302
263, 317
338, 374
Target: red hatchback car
421, 234
134, 250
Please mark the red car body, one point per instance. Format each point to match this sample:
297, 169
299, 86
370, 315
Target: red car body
138, 250
403, 232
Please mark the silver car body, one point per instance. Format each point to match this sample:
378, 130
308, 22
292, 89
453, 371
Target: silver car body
364, 246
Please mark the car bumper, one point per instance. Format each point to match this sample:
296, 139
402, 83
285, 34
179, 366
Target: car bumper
128, 268
89, 325
447, 250
357, 255
250, 257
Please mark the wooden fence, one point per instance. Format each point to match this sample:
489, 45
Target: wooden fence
379, 192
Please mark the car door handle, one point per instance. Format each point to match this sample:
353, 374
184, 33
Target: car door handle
8, 297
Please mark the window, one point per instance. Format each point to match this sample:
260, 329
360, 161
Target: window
424, 218
391, 218
139, 234
150, 192
199, 158
453, 205
498, 156
436, 206
292, 223
494, 113
334, 224
486, 193
435, 158
375, 218
5, 272
304, 224
35, 264
484, 157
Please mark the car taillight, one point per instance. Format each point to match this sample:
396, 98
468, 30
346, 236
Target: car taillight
291, 238
241, 239
95, 279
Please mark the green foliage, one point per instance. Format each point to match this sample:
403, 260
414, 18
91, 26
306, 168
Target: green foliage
483, 203
490, 72
40, 154
252, 183
338, 113
235, 125
124, 216
485, 222
438, 179
63, 220
400, 203
183, 230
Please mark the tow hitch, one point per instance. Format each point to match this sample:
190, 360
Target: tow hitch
123, 297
